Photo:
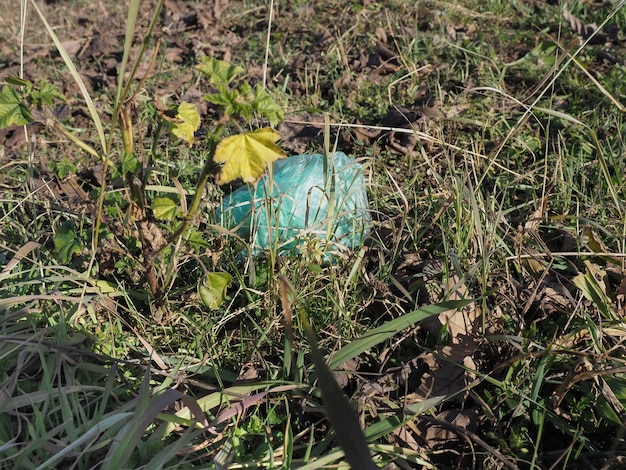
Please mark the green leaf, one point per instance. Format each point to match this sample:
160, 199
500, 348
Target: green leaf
46, 94
265, 104
189, 122
106, 287
13, 111
391, 328
66, 242
63, 167
212, 289
219, 72
246, 155
245, 101
165, 207
130, 163
618, 388
544, 51
594, 289
226, 99
195, 238
17, 81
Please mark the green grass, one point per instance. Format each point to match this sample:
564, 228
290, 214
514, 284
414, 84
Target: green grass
509, 207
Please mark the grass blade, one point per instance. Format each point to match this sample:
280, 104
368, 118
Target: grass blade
341, 415
339, 411
95, 117
89, 436
391, 328
131, 21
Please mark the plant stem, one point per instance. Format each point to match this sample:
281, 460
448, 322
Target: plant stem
202, 181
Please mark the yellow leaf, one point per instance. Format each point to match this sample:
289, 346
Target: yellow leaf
188, 122
246, 155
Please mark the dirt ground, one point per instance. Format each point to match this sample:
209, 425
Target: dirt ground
305, 42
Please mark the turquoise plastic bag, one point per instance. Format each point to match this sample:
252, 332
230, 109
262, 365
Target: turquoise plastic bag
291, 206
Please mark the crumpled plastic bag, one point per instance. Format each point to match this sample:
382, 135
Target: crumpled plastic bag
293, 204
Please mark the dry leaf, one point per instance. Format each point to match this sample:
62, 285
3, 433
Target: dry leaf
621, 296
552, 302
344, 374
72, 46
534, 221
302, 130
461, 323
590, 30
248, 373
446, 372
405, 438
449, 366
402, 143
438, 435
533, 265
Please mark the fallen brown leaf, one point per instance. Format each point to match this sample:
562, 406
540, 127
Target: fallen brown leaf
590, 30
438, 435
446, 373
300, 131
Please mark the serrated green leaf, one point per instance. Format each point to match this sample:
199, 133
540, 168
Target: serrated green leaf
221, 99
66, 242
195, 238
130, 163
188, 114
225, 98
244, 102
219, 72
46, 94
164, 208
63, 167
265, 104
212, 289
13, 111
246, 155
246, 91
